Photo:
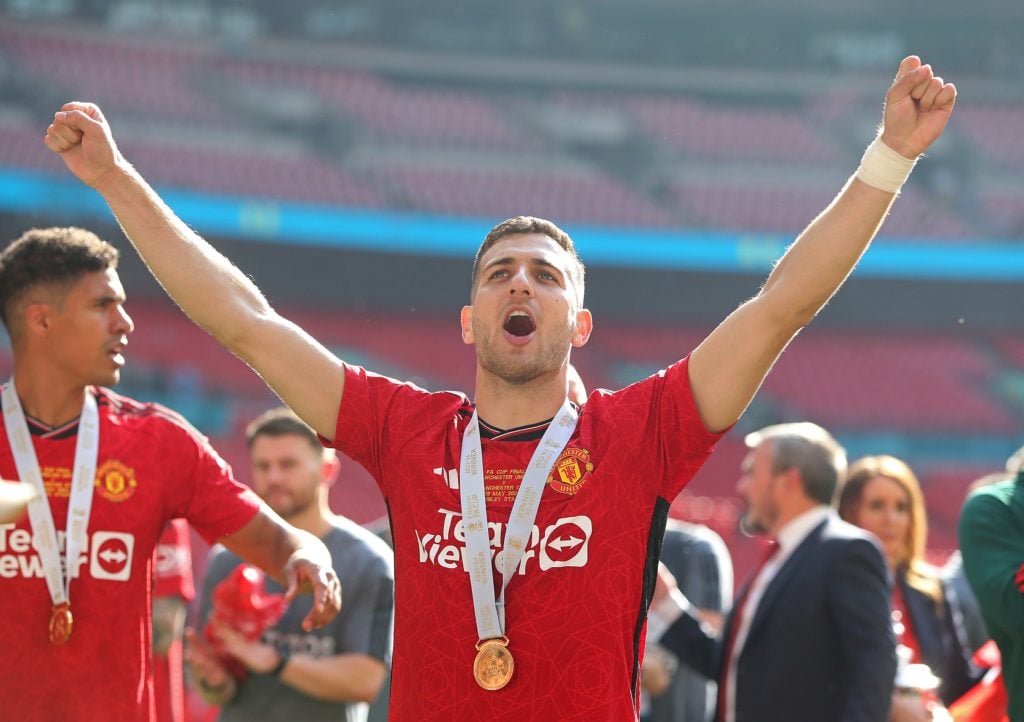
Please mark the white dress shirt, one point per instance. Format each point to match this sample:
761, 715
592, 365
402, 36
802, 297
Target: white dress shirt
789, 538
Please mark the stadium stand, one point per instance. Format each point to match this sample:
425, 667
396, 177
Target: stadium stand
290, 175
295, 123
133, 77
195, 114
908, 381
995, 132
747, 203
755, 135
494, 192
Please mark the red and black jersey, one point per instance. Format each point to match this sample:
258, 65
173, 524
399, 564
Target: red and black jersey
152, 466
576, 608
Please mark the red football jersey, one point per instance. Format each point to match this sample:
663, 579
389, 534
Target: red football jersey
172, 577
575, 611
172, 562
152, 466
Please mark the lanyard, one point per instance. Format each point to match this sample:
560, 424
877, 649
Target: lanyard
490, 614
82, 482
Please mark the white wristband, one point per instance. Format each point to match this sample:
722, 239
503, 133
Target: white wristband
883, 168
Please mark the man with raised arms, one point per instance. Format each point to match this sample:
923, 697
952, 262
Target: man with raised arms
569, 501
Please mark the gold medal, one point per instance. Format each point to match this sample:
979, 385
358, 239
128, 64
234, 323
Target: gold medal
493, 665
61, 622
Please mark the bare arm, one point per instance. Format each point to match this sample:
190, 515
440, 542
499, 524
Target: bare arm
208, 287
349, 677
342, 678
728, 367
295, 557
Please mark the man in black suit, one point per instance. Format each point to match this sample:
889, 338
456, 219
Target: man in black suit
809, 638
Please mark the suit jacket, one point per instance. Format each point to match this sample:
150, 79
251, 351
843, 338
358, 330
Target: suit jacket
934, 626
820, 646
700, 562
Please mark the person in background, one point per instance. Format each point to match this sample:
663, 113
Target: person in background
699, 561
295, 674
972, 624
576, 390
809, 637
992, 543
962, 598
883, 496
173, 590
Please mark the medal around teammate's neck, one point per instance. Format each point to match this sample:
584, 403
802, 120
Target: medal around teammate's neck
493, 664
44, 533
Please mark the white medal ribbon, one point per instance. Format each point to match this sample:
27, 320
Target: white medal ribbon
83, 478
490, 614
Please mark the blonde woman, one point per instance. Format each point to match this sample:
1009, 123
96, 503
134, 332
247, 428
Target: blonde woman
883, 496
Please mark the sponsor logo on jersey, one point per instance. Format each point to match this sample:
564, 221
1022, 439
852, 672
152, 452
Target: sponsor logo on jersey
571, 471
108, 555
115, 481
111, 555
565, 543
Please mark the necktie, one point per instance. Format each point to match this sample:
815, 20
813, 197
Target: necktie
737, 621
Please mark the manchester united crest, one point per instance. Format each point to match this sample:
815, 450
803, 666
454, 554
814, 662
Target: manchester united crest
115, 481
571, 471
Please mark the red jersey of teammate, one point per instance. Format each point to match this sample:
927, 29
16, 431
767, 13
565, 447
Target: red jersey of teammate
575, 611
152, 467
172, 562
172, 577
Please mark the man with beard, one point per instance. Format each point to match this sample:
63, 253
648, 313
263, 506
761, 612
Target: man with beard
331, 673
568, 501
810, 635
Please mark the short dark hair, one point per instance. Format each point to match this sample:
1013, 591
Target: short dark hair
524, 225
49, 256
281, 421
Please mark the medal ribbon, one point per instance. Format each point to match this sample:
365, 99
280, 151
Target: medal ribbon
490, 614
44, 533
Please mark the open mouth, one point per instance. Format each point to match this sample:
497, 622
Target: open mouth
520, 323
116, 353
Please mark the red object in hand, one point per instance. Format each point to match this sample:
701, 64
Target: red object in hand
242, 603
986, 701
